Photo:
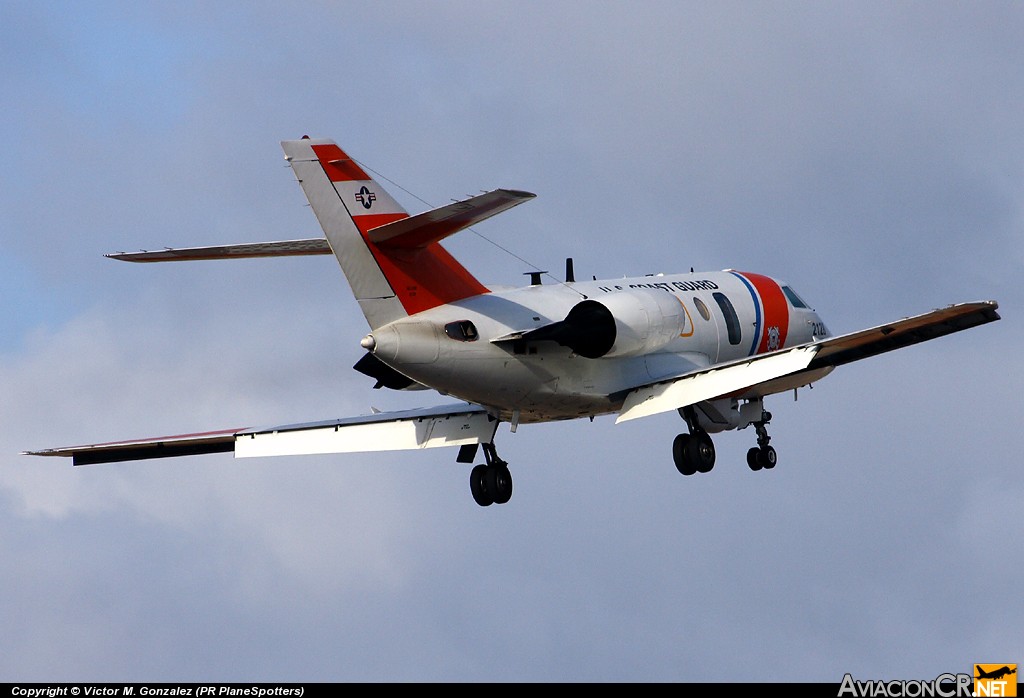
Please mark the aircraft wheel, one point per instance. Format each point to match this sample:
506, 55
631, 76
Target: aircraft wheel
499, 483
679, 455
766, 457
753, 459
701, 453
478, 478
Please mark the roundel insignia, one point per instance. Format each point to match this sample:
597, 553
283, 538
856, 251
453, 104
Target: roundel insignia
365, 197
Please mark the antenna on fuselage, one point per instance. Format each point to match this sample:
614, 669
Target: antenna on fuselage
570, 276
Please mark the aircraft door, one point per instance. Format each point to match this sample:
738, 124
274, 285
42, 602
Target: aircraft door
733, 329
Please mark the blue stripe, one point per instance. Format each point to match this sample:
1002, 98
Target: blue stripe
757, 311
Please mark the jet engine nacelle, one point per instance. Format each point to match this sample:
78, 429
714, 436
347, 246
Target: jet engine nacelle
626, 323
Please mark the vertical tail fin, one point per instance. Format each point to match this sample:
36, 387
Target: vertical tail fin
388, 282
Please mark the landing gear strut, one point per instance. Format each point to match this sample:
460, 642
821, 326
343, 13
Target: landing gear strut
693, 452
490, 482
763, 455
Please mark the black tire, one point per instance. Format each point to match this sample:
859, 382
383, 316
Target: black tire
767, 457
753, 459
499, 483
701, 453
679, 456
478, 477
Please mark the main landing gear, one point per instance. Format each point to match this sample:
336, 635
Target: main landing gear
695, 452
490, 482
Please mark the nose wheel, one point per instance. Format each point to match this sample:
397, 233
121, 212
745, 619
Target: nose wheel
762, 456
490, 482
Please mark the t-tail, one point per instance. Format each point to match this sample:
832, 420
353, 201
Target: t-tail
393, 262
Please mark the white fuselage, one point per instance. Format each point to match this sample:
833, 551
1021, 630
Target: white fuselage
480, 348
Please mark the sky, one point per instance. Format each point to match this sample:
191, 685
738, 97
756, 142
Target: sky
870, 154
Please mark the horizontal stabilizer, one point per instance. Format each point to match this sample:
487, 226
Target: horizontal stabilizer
284, 248
431, 427
432, 226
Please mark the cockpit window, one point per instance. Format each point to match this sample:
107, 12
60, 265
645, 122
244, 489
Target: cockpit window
796, 300
462, 330
732, 322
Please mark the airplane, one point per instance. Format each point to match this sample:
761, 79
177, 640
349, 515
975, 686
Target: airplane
708, 345
996, 674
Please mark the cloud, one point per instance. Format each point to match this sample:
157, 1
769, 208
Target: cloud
869, 155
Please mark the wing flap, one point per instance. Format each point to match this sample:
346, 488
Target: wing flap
282, 248
422, 229
714, 382
437, 427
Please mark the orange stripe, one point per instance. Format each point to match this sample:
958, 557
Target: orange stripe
369, 221
339, 166
776, 310
425, 278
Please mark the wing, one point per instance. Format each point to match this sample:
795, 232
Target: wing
447, 425
408, 233
767, 373
283, 248
844, 349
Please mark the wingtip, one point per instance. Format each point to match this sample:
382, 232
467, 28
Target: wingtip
523, 194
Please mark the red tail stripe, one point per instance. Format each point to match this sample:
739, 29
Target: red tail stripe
422, 277
427, 277
370, 221
339, 166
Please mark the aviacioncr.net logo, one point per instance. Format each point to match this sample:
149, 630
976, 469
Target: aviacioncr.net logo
943, 686
995, 680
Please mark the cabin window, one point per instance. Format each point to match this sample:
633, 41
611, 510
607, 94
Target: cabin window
732, 321
702, 309
462, 330
796, 300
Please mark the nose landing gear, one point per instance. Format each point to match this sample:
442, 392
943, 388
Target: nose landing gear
763, 455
